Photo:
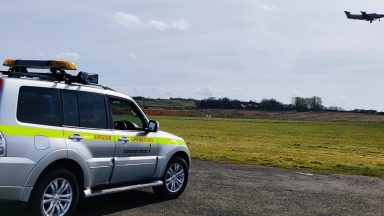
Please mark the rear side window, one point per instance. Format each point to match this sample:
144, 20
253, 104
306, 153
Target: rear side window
92, 109
39, 106
70, 108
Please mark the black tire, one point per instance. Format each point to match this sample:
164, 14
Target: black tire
63, 178
164, 190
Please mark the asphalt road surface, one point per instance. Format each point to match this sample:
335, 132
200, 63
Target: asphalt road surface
225, 189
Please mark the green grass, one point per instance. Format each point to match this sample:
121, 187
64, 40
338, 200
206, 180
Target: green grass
168, 103
349, 148
184, 103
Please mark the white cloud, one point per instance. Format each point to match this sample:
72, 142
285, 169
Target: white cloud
40, 54
343, 97
208, 91
68, 55
132, 55
152, 92
238, 90
129, 20
158, 24
249, 19
126, 20
269, 7
180, 24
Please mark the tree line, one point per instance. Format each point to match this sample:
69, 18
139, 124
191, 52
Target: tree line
298, 104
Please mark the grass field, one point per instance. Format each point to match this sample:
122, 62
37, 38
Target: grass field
347, 147
254, 114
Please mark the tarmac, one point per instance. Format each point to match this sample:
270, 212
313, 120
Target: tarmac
227, 189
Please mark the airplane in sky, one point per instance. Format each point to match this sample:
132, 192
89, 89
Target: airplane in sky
364, 16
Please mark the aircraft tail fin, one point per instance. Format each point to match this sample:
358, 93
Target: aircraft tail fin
347, 13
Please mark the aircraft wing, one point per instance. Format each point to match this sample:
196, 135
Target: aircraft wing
366, 16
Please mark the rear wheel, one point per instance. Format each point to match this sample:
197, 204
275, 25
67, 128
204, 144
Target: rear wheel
57, 193
175, 179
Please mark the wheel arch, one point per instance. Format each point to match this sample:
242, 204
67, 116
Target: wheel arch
59, 159
67, 164
182, 155
163, 160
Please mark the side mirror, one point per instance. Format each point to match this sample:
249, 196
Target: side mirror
153, 126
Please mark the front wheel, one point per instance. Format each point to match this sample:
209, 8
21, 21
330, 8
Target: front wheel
175, 179
56, 194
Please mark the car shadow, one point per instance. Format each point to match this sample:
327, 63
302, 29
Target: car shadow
95, 206
112, 203
12, 208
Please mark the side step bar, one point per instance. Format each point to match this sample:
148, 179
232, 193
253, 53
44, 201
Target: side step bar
91, 193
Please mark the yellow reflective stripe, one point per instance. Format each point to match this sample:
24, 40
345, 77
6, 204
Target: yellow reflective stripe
58, 133
90, 136
170, 141
141, 139
30, 131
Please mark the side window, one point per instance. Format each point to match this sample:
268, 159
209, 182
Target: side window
70, 108
125, 115
39, 106
93, 113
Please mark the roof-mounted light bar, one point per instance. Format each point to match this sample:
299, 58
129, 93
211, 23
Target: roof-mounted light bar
18, 69
39, 64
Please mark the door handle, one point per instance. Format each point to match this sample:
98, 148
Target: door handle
75, 137
123, 139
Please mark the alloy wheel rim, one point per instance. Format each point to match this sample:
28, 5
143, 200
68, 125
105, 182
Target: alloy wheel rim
174, 178
57, 197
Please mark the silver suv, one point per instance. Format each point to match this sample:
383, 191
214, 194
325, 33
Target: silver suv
64, 137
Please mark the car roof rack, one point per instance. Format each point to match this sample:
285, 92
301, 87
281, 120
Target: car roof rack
19, 69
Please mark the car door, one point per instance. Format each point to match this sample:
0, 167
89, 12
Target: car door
87, 134
136, 150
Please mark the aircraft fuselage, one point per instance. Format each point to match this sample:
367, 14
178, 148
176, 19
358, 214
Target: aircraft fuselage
364, 16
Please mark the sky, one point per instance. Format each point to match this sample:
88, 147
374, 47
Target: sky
241, 49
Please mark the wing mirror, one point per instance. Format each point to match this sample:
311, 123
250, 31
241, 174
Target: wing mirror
153, 126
